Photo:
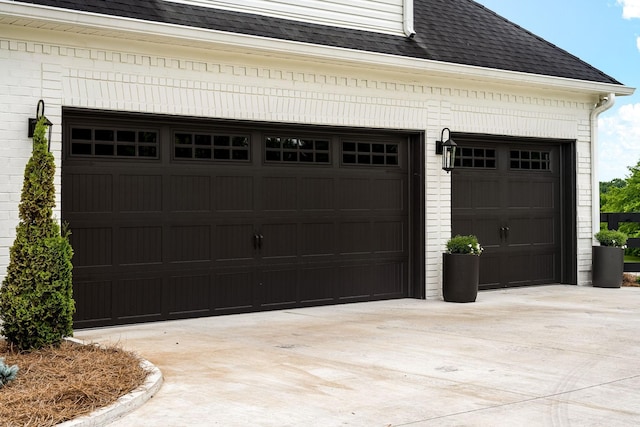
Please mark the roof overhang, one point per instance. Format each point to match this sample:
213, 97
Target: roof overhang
78, 22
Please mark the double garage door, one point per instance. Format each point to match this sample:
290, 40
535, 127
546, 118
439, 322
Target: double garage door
174, 219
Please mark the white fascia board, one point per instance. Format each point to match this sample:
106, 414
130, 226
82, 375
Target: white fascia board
156, 32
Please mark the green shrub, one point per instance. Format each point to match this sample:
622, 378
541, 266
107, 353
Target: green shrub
7, 373
612, 238
464, 245
36, 302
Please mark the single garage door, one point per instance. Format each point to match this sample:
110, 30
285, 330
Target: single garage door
508, 194
173, 219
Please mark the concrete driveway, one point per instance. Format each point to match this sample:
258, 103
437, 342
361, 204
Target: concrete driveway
540, 356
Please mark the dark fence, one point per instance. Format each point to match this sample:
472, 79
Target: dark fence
613, 221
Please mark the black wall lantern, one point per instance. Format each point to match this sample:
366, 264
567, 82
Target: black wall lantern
32, 122
448, 150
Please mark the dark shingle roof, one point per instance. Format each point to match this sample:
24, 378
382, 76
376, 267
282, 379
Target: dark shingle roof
454, 31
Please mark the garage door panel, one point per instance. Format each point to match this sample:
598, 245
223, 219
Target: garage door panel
355, 282
234, 242
317, 239
190, 193
233, 194
389, 279
361, 281
317, 194
389, 237
140, 193
532, 231
93, 247
464, 194
89, 193
484, 194
233, 291
138, 298
355, 238
279, 194
491, 271
543, 267
531, 268
476, 193
519, 272
488, 232
521, 231
354, 194
544, 195
188, 295
486, 228
139, 245
278, 287
190, 244
390, 194
547, 234
93, 301
527, 193
317, 285
279, 241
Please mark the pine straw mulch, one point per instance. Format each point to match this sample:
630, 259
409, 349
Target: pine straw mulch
59, 384
630, 280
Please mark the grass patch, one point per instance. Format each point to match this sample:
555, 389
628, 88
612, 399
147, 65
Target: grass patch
631, 258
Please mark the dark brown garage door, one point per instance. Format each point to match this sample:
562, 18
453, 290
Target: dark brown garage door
508, 194
185, 219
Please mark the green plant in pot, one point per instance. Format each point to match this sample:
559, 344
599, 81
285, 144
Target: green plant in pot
461, 269
608, 259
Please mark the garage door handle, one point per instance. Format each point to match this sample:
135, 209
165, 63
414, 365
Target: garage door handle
504, 233
257, 241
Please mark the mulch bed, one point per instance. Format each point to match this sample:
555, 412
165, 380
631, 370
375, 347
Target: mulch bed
630, 280
59, 384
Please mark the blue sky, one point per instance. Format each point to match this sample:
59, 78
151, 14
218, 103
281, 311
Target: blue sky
606, 34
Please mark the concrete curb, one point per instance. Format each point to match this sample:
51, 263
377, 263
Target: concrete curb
124, 404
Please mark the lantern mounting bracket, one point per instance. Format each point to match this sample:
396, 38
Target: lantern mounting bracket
39, 113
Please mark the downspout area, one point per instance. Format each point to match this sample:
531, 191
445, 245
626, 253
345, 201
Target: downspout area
605, 103
407, 19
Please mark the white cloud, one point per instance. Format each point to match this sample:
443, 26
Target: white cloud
618, 142
630, 8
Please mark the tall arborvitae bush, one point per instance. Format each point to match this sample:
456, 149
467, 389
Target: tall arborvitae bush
36, 301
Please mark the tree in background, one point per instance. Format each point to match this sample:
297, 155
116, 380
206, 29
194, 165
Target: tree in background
606, 188
623, 196
36, 302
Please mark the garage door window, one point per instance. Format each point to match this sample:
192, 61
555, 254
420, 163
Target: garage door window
114, 143
205, 146
530, 160
296, 150
365, 153
479, 158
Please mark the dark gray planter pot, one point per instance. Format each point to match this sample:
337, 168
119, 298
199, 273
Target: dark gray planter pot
607, 266
460, 278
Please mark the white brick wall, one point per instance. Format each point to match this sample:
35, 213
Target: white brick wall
203, 83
